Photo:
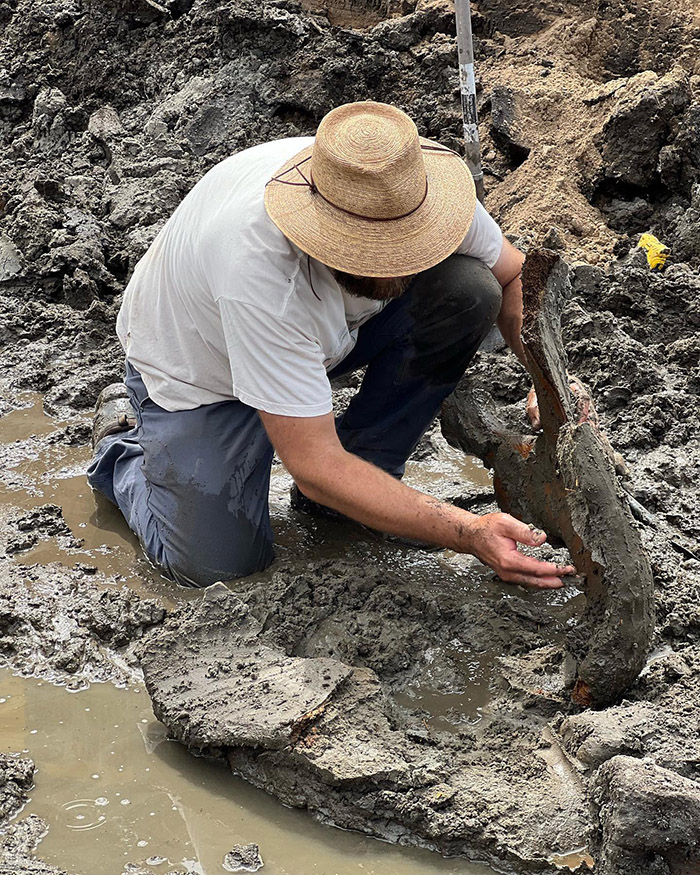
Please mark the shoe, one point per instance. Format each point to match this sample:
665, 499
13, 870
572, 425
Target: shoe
300, 502
113, 413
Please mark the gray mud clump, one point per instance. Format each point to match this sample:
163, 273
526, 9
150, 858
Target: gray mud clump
19, 840
339, 744
57, 623
649, 817
16, 779
243, 858
590, 124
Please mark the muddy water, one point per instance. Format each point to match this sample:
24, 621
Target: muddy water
111, 787
40, 472
114, 791
450, 707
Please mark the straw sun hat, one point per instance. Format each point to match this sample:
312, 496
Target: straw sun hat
370, 197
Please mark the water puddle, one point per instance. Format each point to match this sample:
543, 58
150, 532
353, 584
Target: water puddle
573, 859
452, 703
114, 791
39, 470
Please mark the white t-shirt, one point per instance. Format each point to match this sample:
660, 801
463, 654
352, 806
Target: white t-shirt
220, 307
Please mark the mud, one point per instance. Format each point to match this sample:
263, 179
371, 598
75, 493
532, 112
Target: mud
58, 624
343, 746
19, 840
446, 720
116, 797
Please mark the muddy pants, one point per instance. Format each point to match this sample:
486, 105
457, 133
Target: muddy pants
193, 484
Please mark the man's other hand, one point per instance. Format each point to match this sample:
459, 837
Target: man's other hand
494, 539
584, 404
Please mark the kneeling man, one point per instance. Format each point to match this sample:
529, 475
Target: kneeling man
289, 264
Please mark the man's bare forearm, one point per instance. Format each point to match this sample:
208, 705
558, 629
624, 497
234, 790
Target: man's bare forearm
510, 319
327, 473
370, 496
374, 498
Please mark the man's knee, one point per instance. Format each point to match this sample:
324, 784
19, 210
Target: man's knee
470, 287
195, 567
486, 291
459, 288
455, 303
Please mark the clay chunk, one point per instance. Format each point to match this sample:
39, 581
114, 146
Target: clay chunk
563, 480
214, 686
649, 819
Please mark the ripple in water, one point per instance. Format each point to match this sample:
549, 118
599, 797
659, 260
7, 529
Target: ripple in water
85, 813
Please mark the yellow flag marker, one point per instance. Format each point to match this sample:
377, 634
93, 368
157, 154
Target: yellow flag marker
656, 251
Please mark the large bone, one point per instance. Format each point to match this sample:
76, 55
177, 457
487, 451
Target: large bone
563, 480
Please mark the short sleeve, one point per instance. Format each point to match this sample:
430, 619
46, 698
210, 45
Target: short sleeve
484, 239
275, 367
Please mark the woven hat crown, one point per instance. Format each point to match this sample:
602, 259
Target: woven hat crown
367, 160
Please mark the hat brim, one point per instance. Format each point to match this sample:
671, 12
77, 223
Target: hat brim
367, 247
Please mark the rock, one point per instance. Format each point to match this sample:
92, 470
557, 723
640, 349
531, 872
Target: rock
665, 729
47, 105
105, 124
16, 780
594, 737
20, 839
685, 243
10, 259
631, 216
679, 162
106, 127
507, 123
243, 858
649, 819
12, 94
79, 290
397, 33
633, 135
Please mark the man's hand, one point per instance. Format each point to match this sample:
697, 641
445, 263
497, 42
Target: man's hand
584, 404
532, 408
494, 540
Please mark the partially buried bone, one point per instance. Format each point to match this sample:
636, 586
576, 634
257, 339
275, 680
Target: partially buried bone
563, 480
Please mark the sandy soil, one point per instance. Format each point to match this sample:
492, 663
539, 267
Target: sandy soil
591, 129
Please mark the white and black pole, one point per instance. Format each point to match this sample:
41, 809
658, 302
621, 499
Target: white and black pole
467, 81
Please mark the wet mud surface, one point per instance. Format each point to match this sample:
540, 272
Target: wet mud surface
430, 703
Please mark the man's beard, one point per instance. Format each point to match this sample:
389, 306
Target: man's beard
376, 288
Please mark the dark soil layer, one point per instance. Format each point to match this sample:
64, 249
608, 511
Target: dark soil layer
109, 113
